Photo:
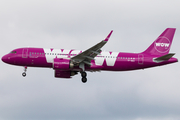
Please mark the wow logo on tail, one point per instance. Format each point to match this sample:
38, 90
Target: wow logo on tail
162, 44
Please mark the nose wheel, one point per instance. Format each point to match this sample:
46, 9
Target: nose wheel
83, 75
24, 73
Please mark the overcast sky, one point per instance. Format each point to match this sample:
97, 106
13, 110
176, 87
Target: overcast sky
150, 94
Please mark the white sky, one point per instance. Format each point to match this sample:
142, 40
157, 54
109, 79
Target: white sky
150, 94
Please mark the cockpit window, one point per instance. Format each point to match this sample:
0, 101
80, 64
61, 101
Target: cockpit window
13, 52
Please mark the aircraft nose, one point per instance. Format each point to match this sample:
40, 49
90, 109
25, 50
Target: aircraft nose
4, 58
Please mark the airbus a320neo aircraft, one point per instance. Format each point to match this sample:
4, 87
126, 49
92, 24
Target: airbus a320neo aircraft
67, 63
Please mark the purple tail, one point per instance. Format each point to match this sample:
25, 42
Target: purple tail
162, 44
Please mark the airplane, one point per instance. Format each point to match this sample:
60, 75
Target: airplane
67, 63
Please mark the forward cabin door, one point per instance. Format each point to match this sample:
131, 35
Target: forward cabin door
140, 59
25, 53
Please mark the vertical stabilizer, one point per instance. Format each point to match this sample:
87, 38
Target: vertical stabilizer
162, 44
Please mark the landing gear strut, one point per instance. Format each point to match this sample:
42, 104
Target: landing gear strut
83, 75
24, 73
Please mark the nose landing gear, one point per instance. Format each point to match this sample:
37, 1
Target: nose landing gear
84, 79
24, 73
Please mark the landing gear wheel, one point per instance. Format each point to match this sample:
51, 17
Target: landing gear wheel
83, 74
24, 74
84, 79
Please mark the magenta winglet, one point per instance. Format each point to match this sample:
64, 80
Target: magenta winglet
107, 38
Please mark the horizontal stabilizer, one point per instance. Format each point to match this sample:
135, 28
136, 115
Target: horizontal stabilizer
164, 57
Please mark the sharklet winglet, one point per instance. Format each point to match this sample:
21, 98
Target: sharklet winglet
107, 38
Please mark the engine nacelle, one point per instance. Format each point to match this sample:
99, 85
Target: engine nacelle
64, 74
62, 64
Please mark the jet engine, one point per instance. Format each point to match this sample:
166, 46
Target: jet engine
62, 64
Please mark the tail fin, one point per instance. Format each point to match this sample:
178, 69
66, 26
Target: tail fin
162, 44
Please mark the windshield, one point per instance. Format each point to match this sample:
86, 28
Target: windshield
13, 52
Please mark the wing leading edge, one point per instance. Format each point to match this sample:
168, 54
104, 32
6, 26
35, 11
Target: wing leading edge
86, 56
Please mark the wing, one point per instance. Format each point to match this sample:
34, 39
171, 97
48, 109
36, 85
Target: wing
86, 56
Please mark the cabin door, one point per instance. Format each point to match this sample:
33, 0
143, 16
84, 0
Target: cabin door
25, 53
140, 59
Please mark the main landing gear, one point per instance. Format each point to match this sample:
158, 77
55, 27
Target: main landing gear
24, 73
84, 79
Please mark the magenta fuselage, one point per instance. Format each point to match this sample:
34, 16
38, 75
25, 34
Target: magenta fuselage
111, 61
